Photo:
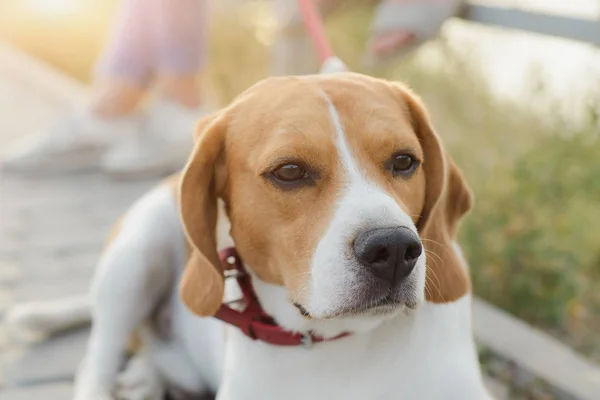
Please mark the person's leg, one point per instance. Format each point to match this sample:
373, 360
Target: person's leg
179, 34
114, 98
182, 41
124, 69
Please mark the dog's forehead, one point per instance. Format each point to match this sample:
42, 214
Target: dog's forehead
278, 105
368, 106
304, 105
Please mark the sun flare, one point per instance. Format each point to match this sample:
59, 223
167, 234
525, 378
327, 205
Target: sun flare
51, 7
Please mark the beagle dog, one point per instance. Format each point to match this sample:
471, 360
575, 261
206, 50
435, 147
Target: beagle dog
344, 206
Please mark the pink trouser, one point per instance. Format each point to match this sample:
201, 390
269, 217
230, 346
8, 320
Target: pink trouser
156, 36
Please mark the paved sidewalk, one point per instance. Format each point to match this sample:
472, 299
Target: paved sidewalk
51, 230
51, 235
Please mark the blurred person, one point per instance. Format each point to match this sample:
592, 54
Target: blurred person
401, 25
398, 26
161, 44
155, 44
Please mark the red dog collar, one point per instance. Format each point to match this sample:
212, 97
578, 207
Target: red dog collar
252, 320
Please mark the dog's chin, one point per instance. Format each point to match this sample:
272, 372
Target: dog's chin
371, 298
386, 305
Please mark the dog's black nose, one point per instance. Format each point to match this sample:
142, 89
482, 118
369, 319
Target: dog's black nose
391, 253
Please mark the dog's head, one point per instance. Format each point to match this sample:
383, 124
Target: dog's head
337, 188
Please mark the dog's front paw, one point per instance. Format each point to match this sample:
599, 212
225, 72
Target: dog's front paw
139, 381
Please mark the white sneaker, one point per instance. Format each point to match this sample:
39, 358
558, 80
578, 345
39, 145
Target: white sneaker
161, 147
74, 144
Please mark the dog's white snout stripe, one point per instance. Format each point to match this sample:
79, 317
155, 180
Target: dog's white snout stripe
361, 205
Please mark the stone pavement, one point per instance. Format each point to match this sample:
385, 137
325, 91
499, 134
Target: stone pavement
51, 230
51, 235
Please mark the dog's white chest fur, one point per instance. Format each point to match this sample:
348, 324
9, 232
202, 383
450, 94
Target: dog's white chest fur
428, 355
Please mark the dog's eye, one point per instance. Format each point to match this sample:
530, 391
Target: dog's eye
403, 164
290, 173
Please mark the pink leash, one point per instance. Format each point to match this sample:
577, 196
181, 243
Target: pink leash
316, 30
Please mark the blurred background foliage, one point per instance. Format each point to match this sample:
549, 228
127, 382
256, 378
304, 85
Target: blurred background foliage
533, 239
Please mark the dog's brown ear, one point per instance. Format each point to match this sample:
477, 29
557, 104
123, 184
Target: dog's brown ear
447, 199
202, 285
